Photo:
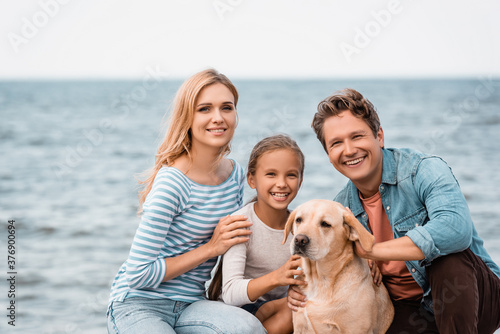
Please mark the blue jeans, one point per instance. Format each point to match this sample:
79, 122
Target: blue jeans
151, 316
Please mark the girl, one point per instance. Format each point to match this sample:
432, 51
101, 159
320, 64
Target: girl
255, 274
185, 223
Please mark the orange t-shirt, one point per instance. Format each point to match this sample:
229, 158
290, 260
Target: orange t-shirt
397, 278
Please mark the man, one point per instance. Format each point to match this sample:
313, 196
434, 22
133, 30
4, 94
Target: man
438, 274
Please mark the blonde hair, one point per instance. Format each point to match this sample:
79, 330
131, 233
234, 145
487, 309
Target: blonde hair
177, 140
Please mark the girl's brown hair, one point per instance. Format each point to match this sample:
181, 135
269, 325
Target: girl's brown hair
274, 143
266, 145
177, 140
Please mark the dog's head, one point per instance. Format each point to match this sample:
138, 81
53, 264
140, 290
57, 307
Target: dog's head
322, 227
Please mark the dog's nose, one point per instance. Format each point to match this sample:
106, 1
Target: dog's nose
301, 240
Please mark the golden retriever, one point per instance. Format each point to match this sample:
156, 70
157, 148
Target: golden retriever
341, 295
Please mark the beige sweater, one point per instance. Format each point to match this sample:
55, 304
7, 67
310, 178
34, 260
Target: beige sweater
262, 254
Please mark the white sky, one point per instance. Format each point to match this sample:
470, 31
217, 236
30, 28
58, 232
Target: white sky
249, 38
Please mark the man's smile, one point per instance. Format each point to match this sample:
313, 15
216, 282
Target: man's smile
354, 162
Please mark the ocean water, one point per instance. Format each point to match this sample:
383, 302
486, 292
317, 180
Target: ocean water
71, 150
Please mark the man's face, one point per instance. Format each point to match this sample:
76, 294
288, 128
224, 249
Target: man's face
353, 149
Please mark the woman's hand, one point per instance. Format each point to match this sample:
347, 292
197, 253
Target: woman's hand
230, 230
285, 275
375, 271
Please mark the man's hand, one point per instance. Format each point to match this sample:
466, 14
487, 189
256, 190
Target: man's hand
400, 249
375, 271
360, 251
295, 298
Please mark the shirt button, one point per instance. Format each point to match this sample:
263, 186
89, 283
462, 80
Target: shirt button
381, 187
388, 208
412, 270
416, 225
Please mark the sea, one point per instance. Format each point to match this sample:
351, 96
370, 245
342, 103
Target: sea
72, 151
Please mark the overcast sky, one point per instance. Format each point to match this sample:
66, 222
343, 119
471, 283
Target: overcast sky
249, 38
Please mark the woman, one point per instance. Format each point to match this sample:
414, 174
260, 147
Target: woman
185, 225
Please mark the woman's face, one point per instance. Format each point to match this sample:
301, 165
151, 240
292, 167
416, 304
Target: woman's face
214, 118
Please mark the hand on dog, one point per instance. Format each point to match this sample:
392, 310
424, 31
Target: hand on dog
295, 298
360, 251
285, 275
375, 271
288, 272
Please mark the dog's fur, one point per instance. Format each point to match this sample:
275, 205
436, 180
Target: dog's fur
341, 295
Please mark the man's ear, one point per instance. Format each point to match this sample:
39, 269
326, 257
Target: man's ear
380, 137
288, 226
251, 180
358, 232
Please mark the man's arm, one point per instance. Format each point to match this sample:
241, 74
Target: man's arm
400, 249
449, 228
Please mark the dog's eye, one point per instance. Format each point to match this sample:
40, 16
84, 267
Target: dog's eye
325, 224
298, 220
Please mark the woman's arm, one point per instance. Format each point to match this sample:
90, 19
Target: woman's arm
230, 231
145, 268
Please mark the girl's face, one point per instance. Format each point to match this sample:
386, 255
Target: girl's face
214, 118
277, 179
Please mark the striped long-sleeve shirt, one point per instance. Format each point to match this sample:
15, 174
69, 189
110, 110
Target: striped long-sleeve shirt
179, 215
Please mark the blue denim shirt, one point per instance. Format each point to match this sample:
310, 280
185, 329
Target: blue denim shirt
423, 201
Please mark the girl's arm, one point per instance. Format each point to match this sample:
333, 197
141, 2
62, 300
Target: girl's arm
280, 277
234, 283
238, 290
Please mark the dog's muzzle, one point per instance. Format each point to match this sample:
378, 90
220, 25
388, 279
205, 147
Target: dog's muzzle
301, 242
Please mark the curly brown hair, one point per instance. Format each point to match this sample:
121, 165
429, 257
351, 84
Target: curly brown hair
340, 101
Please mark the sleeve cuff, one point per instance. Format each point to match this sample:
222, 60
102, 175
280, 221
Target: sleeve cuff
423, 240
237, 295
162, 270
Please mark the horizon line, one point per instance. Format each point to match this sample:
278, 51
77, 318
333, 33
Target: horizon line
258, 78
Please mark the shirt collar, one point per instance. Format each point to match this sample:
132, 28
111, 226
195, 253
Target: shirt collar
388, 167
388, 177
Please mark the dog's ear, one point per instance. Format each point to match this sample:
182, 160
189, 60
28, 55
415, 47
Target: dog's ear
357, 232
288, 226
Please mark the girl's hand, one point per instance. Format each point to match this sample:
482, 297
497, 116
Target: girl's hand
375, 271
285, 274
230, 230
